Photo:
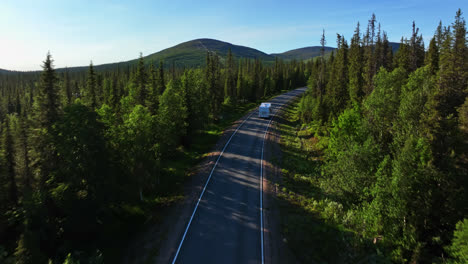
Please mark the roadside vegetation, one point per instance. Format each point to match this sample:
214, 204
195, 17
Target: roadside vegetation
89, 158
375, 164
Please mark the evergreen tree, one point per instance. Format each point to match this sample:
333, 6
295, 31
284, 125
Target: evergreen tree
67, 87
152, 100
230, 83
337, 93
90, 93
240, 95
47, 99
432, 56
370, 68
9, 163
139, 82
161, 82
416, 50
355, 68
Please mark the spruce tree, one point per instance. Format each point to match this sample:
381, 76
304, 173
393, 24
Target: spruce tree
67, 87
229, 86
432, 56
9, 160
416, 52
140, 81
152, 100
90, 94
47, 99
240, 83
355, 68
161, 82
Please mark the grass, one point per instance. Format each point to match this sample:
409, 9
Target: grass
312, 220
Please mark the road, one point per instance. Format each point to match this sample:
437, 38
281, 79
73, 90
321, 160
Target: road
226, 224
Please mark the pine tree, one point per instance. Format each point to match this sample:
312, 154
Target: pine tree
152, 100
432, 56
240, 83
212, 78
370, 67
453, 74
230, 83
402, 56
9, 160
90, 93
355, 67
67, 87
161, 82
140, 81
387, 52
47, 99
337, 93
23, 147
416, 52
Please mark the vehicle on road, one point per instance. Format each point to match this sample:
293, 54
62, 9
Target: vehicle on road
264, 110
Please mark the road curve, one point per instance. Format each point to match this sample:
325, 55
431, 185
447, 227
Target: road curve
225, 226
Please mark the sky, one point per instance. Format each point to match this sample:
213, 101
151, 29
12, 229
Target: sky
77, 32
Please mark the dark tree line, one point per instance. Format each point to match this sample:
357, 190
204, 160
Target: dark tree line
77, 147
394, 127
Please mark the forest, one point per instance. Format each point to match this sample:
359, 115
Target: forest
82, 152
383, 140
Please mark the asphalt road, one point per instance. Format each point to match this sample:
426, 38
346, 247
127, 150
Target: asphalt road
226, 223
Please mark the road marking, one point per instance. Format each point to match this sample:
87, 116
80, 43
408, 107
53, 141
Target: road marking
204, 188
211, 173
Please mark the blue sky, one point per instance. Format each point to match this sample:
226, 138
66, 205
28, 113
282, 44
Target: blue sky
77, 32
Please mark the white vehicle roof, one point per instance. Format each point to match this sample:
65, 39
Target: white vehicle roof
265, 105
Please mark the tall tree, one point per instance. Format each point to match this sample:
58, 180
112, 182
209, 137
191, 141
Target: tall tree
90, 93
9, 162
230, 83
432, 56
161, 82
355, 67
139, 82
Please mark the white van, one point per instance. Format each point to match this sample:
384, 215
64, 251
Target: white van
264, 110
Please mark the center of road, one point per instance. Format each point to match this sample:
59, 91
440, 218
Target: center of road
230, 238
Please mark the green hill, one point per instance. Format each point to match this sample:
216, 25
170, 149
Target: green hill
193, 53
302, 53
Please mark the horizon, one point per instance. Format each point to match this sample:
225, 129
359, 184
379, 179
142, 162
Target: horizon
78, 32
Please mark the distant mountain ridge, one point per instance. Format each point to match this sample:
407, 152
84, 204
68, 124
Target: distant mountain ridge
193, 54
302, 53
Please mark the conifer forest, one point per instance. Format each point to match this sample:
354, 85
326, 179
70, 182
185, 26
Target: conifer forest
87, 153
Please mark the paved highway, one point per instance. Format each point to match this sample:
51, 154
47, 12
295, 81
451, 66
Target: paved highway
226, 224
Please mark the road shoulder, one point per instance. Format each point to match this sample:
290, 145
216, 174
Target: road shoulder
276, 249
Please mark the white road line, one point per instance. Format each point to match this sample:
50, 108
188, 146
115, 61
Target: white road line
204, 188
211, 173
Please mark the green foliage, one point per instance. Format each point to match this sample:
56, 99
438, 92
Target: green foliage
394, 165
381, 106
458, 250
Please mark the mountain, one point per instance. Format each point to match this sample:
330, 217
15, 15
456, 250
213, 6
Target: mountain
193, 54
395, 46
302, 53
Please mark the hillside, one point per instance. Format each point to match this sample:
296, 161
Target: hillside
193, 53
302, 53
